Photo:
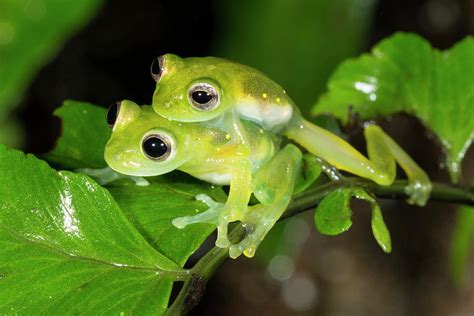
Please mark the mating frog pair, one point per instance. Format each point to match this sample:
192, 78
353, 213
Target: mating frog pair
223, 122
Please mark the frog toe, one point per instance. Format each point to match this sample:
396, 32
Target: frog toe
222, 240
206, 199
418, 192
235, 251
255, 233
248, 246
210, 216
180, 222
140, 181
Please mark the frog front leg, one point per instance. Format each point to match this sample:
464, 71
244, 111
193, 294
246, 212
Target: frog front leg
273, 187
383, 154
234, 209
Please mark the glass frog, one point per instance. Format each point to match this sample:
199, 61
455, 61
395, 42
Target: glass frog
222, 93
146, 144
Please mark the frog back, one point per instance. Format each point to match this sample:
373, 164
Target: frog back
262, 100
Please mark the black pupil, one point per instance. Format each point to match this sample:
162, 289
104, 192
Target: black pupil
202, 97
112, 113
155, 147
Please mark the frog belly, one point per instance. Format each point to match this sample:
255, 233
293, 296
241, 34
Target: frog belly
268, 115
217, 178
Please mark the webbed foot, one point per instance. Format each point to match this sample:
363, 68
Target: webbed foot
218, 214
258, 223
418, 191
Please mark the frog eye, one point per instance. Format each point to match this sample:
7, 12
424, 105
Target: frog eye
203, 96
157, 67
157, 146
113, 113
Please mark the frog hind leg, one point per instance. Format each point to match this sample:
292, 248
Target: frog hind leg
382, 150
419, 184
275, 188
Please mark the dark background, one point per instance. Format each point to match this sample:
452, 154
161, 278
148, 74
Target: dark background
347, 275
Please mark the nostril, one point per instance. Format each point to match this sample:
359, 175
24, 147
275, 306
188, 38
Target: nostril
113, 113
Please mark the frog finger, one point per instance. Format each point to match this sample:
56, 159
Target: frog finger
206, 199
210, 216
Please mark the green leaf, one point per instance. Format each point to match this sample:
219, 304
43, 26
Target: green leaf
379, 229
31, 32
405, 74
84, 135
461, 243
333, 214
66, 247
152, 208
297, 43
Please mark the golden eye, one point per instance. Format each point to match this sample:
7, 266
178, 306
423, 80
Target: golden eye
156, 147
203, 96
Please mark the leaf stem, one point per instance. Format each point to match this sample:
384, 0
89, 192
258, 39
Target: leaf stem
194, 286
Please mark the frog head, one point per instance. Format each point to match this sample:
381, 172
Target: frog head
193, 89
143, 143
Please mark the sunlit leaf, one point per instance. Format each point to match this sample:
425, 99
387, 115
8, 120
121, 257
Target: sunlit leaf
405, 74
333, 214
152, 208
380, 230
67, 247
